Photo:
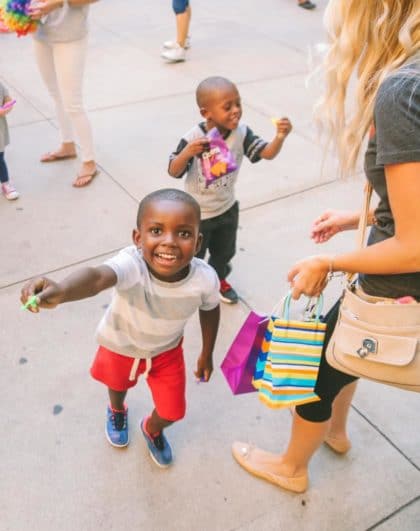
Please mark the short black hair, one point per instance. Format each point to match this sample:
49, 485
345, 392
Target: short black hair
168, 194
208, 86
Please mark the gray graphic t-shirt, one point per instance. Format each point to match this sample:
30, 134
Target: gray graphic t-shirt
219, 196
394, 139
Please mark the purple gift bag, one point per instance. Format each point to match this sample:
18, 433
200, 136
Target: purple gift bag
239, 364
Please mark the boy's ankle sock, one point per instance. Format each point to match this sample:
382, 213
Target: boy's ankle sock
146, 429
114, 410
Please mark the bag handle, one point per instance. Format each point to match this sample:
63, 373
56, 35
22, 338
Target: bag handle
283, 307
363, 221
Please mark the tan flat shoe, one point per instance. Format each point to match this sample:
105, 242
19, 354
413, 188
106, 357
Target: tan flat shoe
340, 446
242, 452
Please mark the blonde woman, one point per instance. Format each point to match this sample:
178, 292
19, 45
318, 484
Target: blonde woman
380, 41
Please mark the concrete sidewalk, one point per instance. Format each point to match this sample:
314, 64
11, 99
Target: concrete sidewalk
58, 472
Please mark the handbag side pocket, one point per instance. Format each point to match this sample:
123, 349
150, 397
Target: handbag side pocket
375, 347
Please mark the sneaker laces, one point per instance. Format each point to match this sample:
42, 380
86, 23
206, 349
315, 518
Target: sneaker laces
158, 441
118, 420
224, 286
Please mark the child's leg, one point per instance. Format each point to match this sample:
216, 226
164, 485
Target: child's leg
7, 188
116, 399
156, 424
4, 174
222, 244
114, 371
206, 230
167, 383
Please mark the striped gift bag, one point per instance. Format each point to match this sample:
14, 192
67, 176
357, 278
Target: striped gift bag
288, 363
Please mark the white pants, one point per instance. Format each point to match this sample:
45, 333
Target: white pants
61, 65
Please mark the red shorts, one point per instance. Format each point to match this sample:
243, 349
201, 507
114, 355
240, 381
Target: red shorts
166, 378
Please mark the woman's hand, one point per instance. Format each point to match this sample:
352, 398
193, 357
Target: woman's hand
309, 276
331, 222
41, 8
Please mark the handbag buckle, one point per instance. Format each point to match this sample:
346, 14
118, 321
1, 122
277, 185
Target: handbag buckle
369, 346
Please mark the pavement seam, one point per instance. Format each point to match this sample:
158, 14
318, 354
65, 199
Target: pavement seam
286, 196
377, 429
391, 515
150, 99
72, 264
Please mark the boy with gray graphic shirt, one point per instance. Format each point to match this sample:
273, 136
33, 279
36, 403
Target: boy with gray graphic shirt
220, 105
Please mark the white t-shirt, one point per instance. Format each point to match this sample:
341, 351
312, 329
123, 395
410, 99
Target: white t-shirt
147, 316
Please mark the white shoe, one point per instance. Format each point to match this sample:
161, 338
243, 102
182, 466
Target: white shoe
173, 44
9, 191
175, 54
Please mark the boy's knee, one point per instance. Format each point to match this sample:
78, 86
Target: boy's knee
173, 414
178, 415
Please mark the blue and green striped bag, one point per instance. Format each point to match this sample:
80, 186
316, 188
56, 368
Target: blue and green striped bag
288, 363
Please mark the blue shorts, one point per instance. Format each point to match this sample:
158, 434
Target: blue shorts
180, 6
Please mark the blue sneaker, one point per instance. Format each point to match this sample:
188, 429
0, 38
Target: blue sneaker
116, 428
159, 448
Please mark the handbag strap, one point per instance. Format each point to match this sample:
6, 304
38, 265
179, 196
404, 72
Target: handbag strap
363, 221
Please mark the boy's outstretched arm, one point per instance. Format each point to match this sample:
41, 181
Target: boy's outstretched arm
81, 284
209, 322
271, 150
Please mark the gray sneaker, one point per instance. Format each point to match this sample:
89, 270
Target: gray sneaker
175, 54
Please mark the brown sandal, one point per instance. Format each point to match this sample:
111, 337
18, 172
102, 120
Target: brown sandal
85, 179
53, 156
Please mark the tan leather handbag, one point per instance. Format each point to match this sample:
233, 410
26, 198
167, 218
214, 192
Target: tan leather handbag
375, 338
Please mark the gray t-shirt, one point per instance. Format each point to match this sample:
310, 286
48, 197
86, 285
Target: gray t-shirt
4, 131
394, 139
72, 27
218, 197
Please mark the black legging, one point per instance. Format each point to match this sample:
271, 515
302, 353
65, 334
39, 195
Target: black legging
4, 176
330, 381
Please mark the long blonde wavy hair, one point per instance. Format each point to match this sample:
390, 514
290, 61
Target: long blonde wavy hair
371, 38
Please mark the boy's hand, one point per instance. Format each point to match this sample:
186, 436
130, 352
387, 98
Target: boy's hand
204, 368
283, 126
197, 146
48, 294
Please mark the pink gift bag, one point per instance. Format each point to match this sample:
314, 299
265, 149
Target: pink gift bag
239, 364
